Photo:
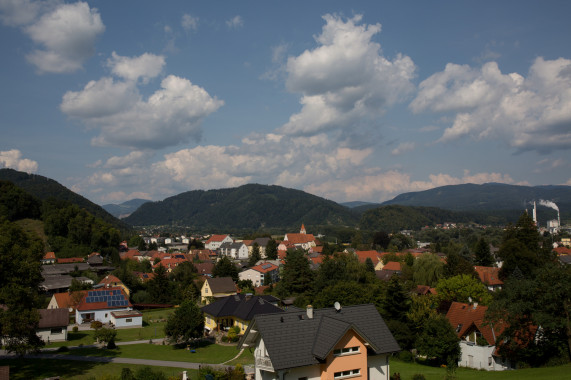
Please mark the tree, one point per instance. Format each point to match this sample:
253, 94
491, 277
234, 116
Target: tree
105, 335
381, 240
439, 341
427, 270
272, 250
395, 307
20, 268
185, 324
347, 293
255, 256
195, 244
225, 268
297, 276
160, 287
183, 277
462, 288
370, 267
482, 253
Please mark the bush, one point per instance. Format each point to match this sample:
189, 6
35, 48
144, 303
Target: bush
395, 376
63, 349
418, 376
75, 329
405, 356
96, 325
111, 344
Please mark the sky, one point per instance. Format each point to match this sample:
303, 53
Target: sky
347, 100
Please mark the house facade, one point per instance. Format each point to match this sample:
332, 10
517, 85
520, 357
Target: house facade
52, 326
217, 287
216, 241
333, 344
236, 251
97, 305
260, 274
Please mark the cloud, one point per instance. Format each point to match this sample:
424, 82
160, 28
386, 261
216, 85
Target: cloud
66, 34
13, 159
19, 12
527, 113
403, 148
145, 66
345, 80
235, 22
170, 116
189, 22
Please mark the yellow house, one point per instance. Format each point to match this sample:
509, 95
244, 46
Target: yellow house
217, 287
237, 310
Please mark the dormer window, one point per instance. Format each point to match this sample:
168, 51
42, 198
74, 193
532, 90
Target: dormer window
346, 351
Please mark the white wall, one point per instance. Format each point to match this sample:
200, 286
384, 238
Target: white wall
47, 335
479, 357
102, 316
378, 367
123, 322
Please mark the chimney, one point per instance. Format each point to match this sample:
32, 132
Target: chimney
475, 305
309, 311
248, 296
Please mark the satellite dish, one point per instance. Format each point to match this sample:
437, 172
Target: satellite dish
337, 306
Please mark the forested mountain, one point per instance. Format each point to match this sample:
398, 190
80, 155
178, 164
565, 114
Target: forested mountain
124, 209
246, 207
44, 188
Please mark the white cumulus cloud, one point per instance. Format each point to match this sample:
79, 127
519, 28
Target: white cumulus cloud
235, 22
345, 80
13, 159
189, 22
527, 113
145, 66
66, 35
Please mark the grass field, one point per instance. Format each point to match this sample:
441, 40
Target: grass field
152, 329
26, 369
408, 370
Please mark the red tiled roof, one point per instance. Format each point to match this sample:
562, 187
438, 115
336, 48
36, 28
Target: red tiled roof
463, 316
363, 255
49, 256
562, 250
69, 300
317, 259
130, 254
70, 260
110, 280
489, 275
424, 290
264, 267
299, 238
204, 268
216, 238
101, 305
392, 265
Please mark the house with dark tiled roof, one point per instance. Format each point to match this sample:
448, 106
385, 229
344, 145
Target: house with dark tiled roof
237, 310
477, 337
237, 251
217, 287
489, 277
52, 326
333, 343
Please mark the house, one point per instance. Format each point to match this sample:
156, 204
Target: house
423, 290
262, 244
126, 318
477, 338
489, 277
334, 343
49, 258
237, 251
70, 260
144, 277
66, 300
95, 260
364, 255
60, 283
237, 310
97, 305
261, 274
301, 240
217, 287
113, 281
204, 269
216, 241
52, 326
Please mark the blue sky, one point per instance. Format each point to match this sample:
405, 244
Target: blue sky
359, 100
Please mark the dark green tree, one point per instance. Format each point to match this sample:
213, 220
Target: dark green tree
297, 276
160, 288
272, 250
185, 324
20, 269
225, 268
482, 253
183, 277
394, 308
255, 256
439, 341
369, 266
381, 240
195, 244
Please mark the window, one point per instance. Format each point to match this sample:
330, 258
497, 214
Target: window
345, 374
346, 351
129, 320
57, 330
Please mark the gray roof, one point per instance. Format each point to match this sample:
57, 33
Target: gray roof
53, 318
565, 259
243, 307
63, 268
294, 340
221, 285
262, 242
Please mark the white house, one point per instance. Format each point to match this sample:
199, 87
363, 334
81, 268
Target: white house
53, 325
216, 241
127, 318
258, 274
237, 251
97, 305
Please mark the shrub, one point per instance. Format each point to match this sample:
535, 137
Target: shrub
111, 344
405, 356
96, 325
63, 349
418, 376
75, 329
395, 376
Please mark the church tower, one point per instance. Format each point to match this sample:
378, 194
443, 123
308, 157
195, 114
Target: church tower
302, 231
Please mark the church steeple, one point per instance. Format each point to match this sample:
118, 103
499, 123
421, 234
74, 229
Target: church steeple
302, 231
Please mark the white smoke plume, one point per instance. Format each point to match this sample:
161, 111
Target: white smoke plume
548, 204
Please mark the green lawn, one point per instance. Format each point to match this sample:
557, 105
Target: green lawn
25, 369
152, 329
212, 354
407, 370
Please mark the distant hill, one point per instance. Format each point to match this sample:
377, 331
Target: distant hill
43, 188
356, 204
124, 209
246, 207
